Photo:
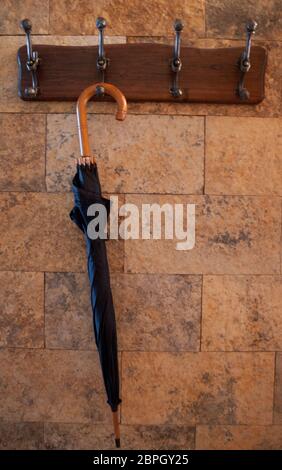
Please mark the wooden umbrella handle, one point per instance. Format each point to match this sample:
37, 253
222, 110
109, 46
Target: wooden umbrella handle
81, 111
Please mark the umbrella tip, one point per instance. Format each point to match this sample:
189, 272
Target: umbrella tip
116, 428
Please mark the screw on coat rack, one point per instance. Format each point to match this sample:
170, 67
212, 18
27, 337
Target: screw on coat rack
32, 60
244, 61
102, 61
176, 63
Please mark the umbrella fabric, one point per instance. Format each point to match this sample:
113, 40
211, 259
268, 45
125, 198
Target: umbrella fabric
87, 190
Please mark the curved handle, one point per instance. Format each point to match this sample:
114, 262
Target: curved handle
81, 111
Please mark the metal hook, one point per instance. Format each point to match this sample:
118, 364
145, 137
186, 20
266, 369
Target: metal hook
244, 62
102, 61
176, 63
32, 60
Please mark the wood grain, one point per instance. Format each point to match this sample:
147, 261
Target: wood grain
142, 72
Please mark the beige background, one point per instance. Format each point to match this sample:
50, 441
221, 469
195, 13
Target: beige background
199, 332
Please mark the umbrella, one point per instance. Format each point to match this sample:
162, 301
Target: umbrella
87, 191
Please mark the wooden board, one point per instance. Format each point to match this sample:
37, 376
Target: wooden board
142, 72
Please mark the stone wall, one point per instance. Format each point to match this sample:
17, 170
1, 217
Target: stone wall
199, 331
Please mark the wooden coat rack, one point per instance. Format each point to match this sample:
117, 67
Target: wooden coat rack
144, 72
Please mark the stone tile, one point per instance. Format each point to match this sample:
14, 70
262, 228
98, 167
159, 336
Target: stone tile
141, 303
59, 386
167, 437
38, 235
227, 18
158, 313
9, 100
278, 390
22, 164
88, 436
242, 313
115, 253
243, 156
13, 11
231, 235
69, 436
126, 18
68, 315
22, 309
202, 388
143, 154
21, 436
239, 438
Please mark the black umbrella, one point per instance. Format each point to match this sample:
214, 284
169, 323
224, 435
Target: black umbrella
87, 191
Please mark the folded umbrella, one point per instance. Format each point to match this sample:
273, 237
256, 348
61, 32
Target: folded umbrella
87, 191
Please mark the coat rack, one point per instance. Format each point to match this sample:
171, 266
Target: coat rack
144, 72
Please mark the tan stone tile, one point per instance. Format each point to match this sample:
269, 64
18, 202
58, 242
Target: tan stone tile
68, 315
126, 18
239, 438
21, 436
170, 437
243, 156
232, 234
189, 388
37, 234
278, 390
142, 302
115, 253
22, 163
13, 11
158, 312
71, 436
142, 154
59, 386
242, 313
88, 436
225, 18
9, 99
22, 309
